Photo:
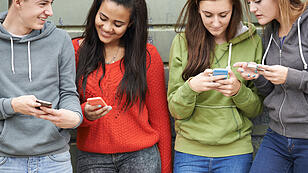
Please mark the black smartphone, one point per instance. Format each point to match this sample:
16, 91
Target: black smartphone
44, 103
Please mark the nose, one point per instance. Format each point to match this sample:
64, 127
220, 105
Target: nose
107, 27
216, 22
252, 7
48, 10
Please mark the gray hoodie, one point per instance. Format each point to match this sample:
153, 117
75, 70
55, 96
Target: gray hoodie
40, 64
287, 103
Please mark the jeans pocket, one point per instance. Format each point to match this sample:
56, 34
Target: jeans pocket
2, 160
61, 157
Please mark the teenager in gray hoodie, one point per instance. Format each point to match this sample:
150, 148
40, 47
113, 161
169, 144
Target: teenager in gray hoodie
284, 83
37, 62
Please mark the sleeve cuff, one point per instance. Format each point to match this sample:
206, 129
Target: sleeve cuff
7, 106
260, 82
242, 95
294, 78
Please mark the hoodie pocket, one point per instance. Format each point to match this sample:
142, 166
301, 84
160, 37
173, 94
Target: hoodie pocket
212, 126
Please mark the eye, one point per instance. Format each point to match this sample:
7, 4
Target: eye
207, 15
257, 1
117, 25
103, 19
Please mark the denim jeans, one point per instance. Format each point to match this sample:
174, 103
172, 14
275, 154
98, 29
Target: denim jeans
188, 163
142, 161
279, 154
56, 163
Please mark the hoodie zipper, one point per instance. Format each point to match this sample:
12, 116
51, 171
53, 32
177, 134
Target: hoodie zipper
284, 99
284, 91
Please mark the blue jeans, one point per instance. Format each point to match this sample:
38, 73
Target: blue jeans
142, 161
37, 164
188, 163
279, 154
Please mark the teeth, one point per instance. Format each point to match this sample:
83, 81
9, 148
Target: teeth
42, 19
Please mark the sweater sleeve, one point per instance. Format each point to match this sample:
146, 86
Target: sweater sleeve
247, 98
85, 122
69, 98
156, 104
181, 97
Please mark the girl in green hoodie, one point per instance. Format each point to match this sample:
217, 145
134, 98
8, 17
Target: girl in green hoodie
212, 113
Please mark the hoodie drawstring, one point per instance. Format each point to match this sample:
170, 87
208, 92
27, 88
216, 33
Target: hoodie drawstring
229, 57
29, 59
29, 62
266, 51
299, 45
12, 55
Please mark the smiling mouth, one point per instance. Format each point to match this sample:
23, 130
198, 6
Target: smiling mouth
43, 19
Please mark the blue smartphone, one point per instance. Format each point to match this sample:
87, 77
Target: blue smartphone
220, 71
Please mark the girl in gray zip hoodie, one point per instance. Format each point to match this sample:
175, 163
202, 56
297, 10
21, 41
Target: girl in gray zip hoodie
284, 83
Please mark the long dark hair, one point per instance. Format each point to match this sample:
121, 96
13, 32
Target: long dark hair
92, 52
200, 41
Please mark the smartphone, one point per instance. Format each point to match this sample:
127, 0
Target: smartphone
255, 66
220, 71
44, 103
96, 101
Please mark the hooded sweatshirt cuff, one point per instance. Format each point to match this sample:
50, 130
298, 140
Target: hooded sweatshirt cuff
242, 95
294, 78
7, 107
260, 81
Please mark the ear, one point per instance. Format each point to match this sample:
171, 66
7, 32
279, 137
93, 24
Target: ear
17, 3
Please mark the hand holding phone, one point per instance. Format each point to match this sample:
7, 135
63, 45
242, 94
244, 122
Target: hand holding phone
255, 66
44, 103
96, 101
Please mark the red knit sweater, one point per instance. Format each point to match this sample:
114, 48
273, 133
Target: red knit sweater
120, 131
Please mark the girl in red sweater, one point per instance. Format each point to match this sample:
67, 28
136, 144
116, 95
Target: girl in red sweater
114, 62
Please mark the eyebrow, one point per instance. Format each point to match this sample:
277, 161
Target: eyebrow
102, 14
219, 13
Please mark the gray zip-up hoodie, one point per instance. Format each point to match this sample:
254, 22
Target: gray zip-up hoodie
40, 64
287, 103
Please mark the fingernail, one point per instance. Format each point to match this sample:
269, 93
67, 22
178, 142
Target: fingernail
242, 70
248, 75
109, 108
256, 71
253, 75
99, 106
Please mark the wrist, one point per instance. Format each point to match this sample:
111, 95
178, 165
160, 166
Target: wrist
191, 84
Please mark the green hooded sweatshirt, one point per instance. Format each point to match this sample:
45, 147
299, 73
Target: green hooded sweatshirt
209, 123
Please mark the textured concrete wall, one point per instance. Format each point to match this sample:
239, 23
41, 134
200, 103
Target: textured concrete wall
70, 15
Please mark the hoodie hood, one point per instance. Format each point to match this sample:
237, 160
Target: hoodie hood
244, 31
32, 36
295, 31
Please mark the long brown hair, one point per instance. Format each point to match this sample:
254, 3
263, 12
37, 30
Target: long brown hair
200, 42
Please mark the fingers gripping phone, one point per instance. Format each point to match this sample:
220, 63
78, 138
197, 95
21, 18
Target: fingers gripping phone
96, 101
255, 66
44, 103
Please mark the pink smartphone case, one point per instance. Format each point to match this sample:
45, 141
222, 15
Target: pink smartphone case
96, 101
